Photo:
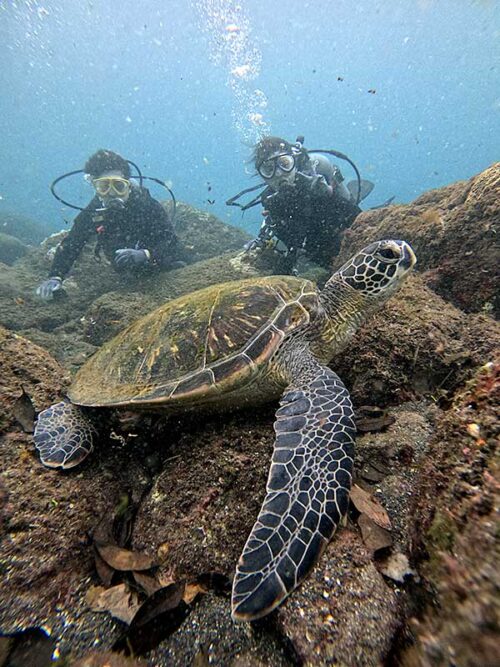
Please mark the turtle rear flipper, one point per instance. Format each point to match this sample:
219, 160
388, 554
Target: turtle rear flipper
63, 435
307, 492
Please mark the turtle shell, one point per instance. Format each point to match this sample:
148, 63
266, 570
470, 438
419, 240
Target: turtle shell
198, 346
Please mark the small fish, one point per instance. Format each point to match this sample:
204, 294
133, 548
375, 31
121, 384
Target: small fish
372, 91
211, 201
340, 78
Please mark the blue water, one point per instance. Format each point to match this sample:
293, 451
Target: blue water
144, 79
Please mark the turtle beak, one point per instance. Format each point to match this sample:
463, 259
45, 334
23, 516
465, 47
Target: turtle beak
409, 258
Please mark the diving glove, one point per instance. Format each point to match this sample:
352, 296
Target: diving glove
46, 290
316, 184
131, 258
254, 244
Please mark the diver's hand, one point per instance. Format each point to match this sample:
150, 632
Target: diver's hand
316, 184
46, 290
131, 257
254, 244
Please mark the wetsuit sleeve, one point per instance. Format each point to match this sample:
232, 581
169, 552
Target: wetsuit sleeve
158, 236
73, 244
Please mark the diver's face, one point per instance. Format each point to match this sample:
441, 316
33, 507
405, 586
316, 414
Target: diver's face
112, 188
279, 169
282, 178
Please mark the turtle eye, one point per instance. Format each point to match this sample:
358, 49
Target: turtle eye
389, 253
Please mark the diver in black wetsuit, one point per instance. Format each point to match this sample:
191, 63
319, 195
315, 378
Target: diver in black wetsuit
307, 207
133, 230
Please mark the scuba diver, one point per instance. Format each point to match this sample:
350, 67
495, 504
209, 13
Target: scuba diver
306, 204
133, 230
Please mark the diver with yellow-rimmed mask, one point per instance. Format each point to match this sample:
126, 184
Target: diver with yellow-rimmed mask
133, 230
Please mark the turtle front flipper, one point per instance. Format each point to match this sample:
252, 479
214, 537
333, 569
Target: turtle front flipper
63, 435
307, 492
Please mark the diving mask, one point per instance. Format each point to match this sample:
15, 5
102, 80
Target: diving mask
113, 186
285, 162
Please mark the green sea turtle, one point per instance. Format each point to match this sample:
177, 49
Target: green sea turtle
238, 343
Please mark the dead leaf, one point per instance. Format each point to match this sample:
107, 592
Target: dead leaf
165, 599
158, 618
148, 583
366, 504
162, 551
374, 537
123, 559
396, 567
191, 590
165, 579
118, 601
104, 570
24, 412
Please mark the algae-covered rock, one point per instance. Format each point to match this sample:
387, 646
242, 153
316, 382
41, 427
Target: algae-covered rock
417, 345
29, 367
11, 249
456, 531
45, 559
454, 232
23, 228
203, 235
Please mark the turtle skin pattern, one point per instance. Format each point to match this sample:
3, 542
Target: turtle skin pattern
307, 494
63, 435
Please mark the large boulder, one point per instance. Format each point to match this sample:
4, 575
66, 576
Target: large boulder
11, 248
203, 234
29, 231
455, 532
454, 231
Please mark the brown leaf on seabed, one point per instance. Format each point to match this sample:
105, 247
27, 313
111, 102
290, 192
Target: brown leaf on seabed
104, 570
124, 560
119, 601
148, 583
374, 537
366, 504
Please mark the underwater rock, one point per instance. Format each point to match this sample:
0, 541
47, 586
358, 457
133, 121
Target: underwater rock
207, 496
197, 484
418, 345
203, 235
11, 249
44, 516
454, 232
23, 228
455, 531
25, 366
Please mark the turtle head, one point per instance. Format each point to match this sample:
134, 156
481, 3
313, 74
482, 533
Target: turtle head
377, 271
